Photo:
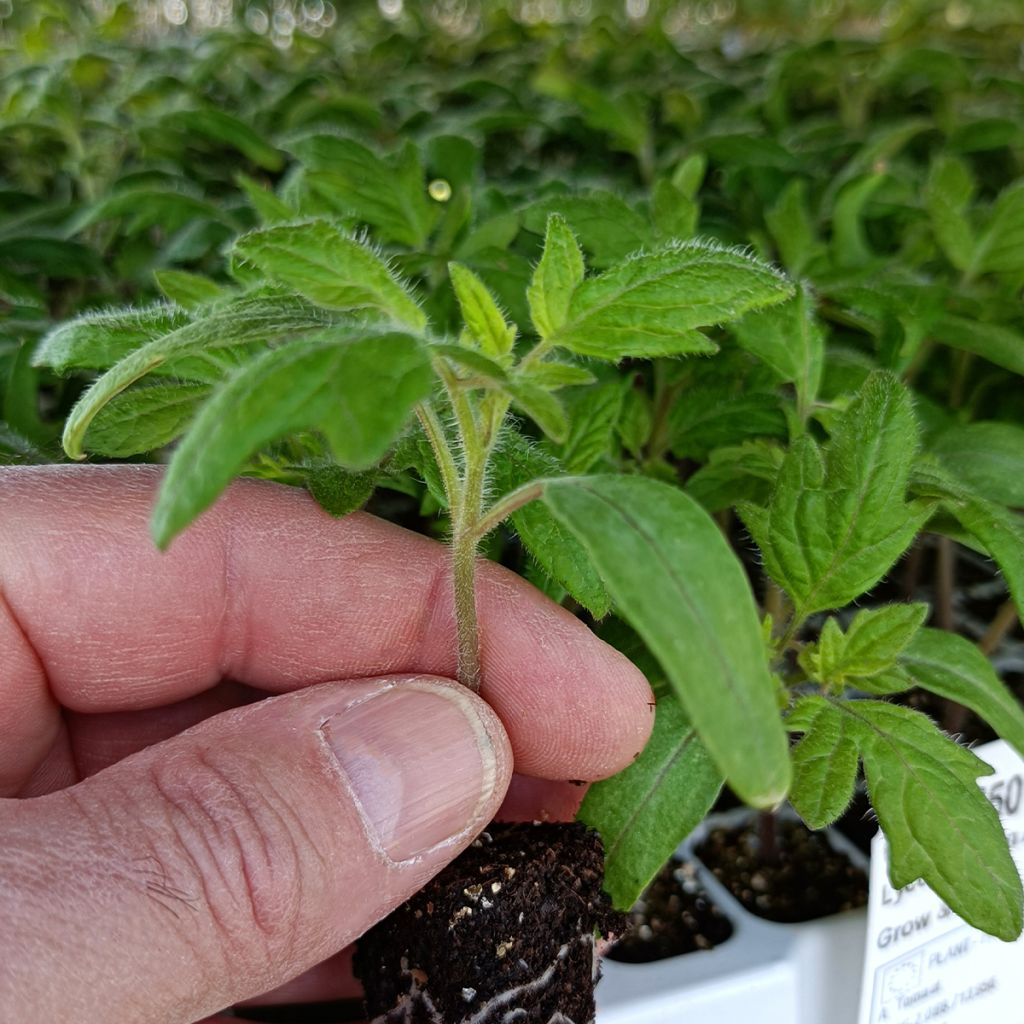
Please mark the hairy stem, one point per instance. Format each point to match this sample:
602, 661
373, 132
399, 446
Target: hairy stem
464, 581
442, 454
500, 511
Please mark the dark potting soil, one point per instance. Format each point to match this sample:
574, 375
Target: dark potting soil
505, 933
674, 916
804, 879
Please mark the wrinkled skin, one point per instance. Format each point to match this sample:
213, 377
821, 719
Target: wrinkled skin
175, 840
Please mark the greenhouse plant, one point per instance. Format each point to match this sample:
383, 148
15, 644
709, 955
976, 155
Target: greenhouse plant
702, 318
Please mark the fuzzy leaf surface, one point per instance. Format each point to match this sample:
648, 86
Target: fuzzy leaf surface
871, 643
838, 519
484, 321
339, 491
329, 268
554, 547
790, 341
605, 226
96, 341
646, 811
988, 457
555, 278
939, 824
824, 762
734, 474
593, 415
358, 392
389, 195
652, 304
954, 668
186, 289
144, 419
715, 417
999, 530
256, 317
674, 578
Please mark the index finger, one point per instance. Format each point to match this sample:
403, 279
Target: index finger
269, 590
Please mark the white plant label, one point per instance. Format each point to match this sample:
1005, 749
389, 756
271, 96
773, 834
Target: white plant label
924, 965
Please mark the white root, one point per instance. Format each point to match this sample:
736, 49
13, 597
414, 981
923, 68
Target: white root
403, 1013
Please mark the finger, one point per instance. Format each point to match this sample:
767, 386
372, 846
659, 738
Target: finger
102, 739
223, 862
269, 590
531, 799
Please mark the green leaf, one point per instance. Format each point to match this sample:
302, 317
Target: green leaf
1000, 531
789, 339
359, 392
824, 762
792, 228
876, 636
870, 645
605, 226
222, 127
16, 450
550, 373
593, 416
339, 491
735, 474
16, 291
473, 362
1000, 247
646, 811
144, 419
689, 174
187, 290
21, 399
838, 520
939, 824
636, 421
673, 213
389, 195
651, 304
947, 197
713, 417
675, 579
270, 208
997, 343
954, 668
555, 549
484, 321
96, 341
555, 278
329, 268
849, 239
146, 208
988, 457
541, 406
256, 317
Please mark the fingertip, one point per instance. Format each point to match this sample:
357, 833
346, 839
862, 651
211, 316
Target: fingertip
573, 706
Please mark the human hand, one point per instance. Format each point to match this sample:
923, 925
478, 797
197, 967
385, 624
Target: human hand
180, 840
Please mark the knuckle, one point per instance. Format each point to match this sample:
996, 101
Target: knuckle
234, 846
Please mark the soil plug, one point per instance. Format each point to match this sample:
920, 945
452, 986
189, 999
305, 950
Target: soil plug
506, 932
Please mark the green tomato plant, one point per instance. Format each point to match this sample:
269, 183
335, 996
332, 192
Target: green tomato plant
539, 303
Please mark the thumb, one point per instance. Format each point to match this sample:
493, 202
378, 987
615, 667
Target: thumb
217, 865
